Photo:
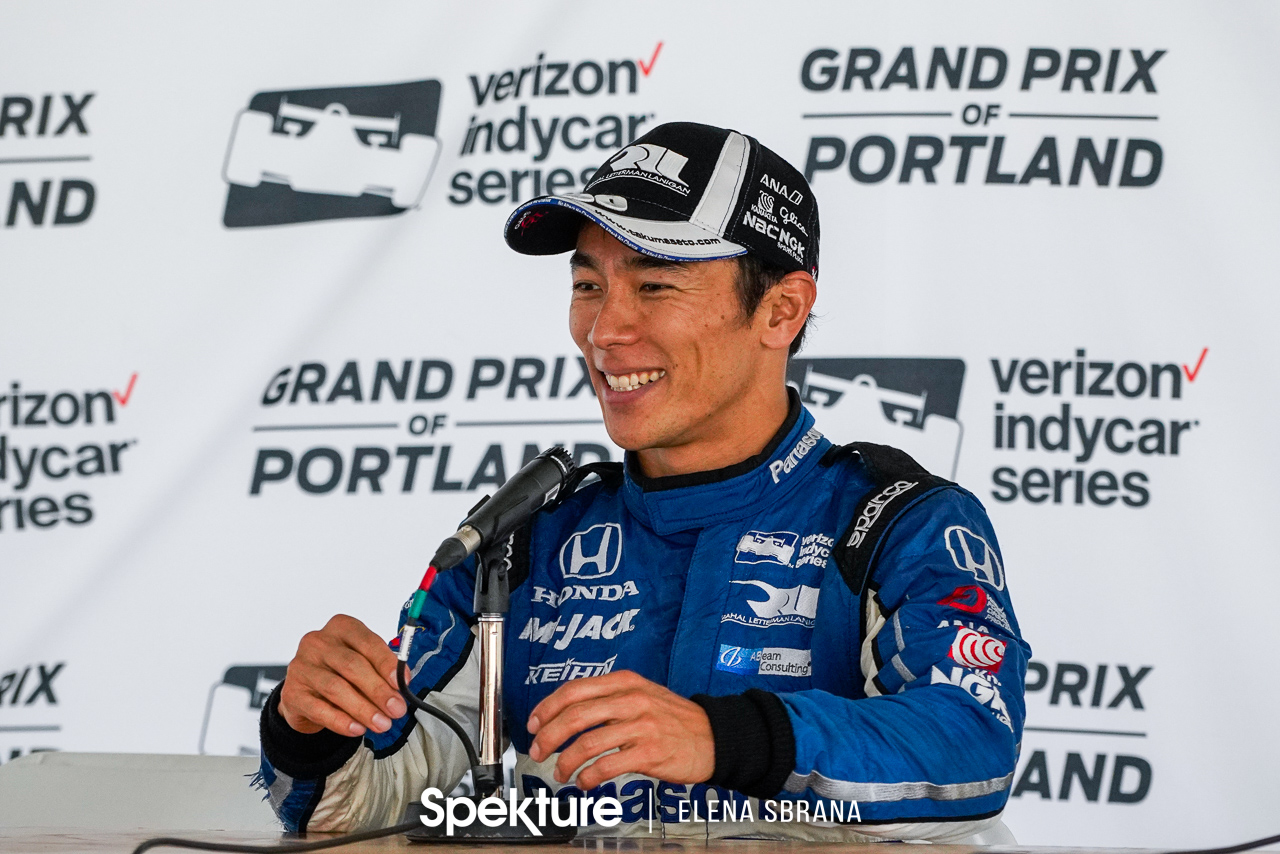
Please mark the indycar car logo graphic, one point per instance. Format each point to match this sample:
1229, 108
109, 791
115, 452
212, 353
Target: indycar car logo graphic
973, 554
911, 404
235, 704
773, 547
314, 154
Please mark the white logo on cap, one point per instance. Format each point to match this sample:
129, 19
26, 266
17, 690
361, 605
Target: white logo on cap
652, 163
613, 203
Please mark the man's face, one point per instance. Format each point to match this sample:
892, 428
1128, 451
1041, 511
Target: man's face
672, 358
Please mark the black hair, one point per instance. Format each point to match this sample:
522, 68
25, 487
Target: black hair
754, 279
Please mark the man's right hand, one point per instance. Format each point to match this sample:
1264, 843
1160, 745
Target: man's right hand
342, 679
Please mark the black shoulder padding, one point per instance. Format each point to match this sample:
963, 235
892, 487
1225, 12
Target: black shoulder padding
521, 545
609, 473
899, 481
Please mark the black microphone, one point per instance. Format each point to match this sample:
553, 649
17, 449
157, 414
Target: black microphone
494, 519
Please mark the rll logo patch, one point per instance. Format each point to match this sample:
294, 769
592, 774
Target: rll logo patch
312, 154
972, 553
911, 404
772, 547
782, 606
651, 163
593, 553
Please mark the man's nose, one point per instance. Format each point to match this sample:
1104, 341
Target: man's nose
616, 323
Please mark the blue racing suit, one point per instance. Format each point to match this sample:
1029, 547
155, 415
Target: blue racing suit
842, 616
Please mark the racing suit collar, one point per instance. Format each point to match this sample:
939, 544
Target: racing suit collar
699, 499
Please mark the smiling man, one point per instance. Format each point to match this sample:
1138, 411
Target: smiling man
742, 612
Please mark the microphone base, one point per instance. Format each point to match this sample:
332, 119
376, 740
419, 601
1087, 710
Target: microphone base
479, 833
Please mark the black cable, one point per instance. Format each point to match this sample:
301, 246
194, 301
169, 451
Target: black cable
1232, 849
472, 757
401, 669
345, 839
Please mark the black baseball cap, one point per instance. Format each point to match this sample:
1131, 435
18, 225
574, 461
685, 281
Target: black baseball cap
684, 192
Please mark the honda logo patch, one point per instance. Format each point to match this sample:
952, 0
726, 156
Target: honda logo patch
973, 554
593, 553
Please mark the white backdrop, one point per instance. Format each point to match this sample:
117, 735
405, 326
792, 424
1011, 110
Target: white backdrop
163, 281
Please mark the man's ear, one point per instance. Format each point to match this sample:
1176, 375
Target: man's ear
785, 308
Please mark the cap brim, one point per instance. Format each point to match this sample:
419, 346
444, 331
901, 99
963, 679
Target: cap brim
549, 225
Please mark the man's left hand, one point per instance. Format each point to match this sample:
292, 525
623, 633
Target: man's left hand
656, 731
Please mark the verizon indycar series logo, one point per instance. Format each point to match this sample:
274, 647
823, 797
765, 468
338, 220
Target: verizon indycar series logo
313, 154
235, 704
773, 547
912, 404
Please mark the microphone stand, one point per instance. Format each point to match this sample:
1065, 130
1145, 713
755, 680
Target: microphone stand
492, 602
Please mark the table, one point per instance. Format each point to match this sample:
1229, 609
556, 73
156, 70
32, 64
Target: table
81, 841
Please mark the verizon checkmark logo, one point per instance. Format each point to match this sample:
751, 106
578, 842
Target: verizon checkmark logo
123, 399
1193, 373
49, 480
647, 67
549, 76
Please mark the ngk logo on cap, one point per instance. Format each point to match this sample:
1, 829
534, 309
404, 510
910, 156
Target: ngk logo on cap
312, 154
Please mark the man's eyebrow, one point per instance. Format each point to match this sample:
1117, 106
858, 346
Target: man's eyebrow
581, 259
648, 262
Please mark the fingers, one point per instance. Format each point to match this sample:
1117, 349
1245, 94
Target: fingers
377, 652
628, 725
308, 713
360, 674
578, 717
364, 659
591, 744
339, 680
624, 761
580, 690
339, 691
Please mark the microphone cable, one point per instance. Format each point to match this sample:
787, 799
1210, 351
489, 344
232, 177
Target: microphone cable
1233, 849
402, 668
278, 848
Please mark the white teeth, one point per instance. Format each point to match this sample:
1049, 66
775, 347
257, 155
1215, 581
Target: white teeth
631, 382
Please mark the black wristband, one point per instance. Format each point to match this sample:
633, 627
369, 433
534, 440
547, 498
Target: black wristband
303, 756
755, 745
